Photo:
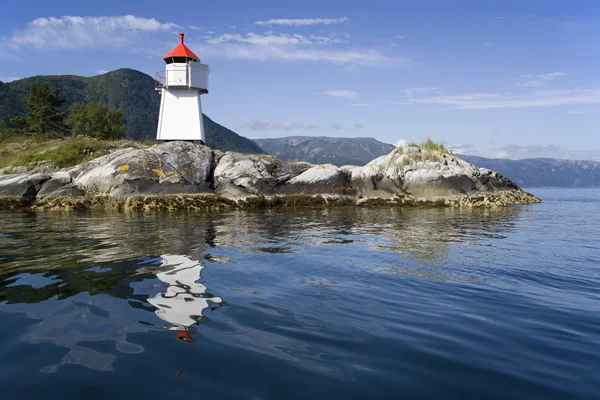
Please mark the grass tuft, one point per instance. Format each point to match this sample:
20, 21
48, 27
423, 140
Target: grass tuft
429, 144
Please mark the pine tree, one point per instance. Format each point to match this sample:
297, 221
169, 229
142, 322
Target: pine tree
45, 115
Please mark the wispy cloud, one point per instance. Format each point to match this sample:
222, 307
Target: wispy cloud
540, 79
359, 126
513, 148
272, 39
195, 28
346, 94
289, 126
546, 98
419, 90
72, 33
518, 151
257, 52
304, 22
461, 148
363, 105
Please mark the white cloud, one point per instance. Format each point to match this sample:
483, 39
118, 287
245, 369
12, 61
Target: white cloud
346, 94
291, 126
463, 148
359, 126
271, 39
256, 39
514, 148
71, 33
418, 90
304, 22
277, 126
257, 52
505, 100
540, 79
195, 28
363, 105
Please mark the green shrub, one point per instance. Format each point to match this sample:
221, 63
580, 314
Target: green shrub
97, 120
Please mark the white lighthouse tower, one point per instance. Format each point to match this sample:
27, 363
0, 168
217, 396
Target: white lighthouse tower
181, 84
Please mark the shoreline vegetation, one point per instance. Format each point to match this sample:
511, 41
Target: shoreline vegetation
213, 202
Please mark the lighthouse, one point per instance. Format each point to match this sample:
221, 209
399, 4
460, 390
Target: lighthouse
181, 84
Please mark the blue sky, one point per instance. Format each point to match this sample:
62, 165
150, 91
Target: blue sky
495, 78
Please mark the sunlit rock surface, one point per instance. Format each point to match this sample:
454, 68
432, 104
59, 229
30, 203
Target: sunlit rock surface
182, 175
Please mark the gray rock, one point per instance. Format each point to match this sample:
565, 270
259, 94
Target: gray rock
240, 175
321, 179
407, 176
371, 181
22, 185
431, 183
167, 168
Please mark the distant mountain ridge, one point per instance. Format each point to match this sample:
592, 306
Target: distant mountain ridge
535, 172
323, 150
129, 90
542, 172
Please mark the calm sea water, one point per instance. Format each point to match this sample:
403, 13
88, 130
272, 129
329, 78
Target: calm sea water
310, 304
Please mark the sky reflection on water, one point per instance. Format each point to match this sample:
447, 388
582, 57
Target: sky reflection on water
360, 302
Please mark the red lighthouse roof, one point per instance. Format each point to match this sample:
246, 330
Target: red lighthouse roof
181, 50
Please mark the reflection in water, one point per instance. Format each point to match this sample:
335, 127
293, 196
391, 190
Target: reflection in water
94, 330
90, 283
184, 300
84, 324
361, 303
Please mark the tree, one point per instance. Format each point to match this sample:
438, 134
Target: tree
45, 114
97, 120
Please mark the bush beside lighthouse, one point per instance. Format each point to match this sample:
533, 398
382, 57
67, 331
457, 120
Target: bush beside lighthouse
181, 84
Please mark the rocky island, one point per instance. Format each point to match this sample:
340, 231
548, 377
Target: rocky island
184, 176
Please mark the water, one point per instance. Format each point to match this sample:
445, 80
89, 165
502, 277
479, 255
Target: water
308, 304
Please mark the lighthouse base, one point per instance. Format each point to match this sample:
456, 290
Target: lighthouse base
180, 116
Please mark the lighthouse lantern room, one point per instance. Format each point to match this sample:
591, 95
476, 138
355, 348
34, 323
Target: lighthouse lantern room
181, 84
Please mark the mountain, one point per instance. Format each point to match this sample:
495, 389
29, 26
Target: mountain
129, 90
324, 150
542, 172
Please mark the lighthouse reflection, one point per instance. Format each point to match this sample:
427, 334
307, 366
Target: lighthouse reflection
183, 301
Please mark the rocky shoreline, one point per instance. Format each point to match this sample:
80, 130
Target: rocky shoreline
184, 176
